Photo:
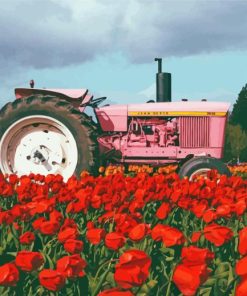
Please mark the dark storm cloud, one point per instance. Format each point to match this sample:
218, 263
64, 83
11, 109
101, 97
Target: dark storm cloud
53, 33
183, 28
39, 34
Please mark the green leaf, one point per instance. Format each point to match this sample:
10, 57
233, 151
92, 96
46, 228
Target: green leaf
205, 291
9, 237
48, 258
40, 290
101, 281
222, 267
12, 254
110, 279
152, 283
2, 250
69, 292
83, 286
147, 287
221, 275
4, 291
167, 251
222, 284
210, 282
231, 275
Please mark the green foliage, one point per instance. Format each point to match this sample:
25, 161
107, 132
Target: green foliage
239, 111
227, 148
236, 140
235, 147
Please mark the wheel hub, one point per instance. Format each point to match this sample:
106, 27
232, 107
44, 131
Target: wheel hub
39, 154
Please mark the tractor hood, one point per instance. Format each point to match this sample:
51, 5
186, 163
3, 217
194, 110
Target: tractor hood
179, 109
114, 117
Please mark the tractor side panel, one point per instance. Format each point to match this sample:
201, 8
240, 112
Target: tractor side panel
112, 118
202, 133
194, 131
217, 132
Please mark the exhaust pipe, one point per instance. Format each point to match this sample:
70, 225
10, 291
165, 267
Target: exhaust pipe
163, 84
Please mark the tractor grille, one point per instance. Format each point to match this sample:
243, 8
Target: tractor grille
194, 132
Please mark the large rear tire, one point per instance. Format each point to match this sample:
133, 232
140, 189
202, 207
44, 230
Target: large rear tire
201, 165
46, 135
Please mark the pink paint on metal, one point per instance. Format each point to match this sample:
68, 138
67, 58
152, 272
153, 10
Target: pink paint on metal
181, 106
113, 118
217, 131
174, 152
194, 131
150, 135
70, 93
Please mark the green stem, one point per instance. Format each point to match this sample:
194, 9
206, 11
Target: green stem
170, 282
49, 243
234, 287
103, 265
144, 244
102, 279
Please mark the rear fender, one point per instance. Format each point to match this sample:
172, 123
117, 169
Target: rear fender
74, 96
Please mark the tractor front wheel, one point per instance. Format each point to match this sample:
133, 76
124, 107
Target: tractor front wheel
46, 135
199, 166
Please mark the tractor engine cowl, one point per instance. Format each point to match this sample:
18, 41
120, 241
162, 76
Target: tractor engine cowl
153, 132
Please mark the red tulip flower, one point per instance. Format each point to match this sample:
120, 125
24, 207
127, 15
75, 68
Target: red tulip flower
49, 227
217, 234
52, 280
189, 278
242, 247
139, 232
29, 261
241, 289
27, 238
9, 275
38, 222
241, 267
114, 240
163, 211
95, 235
132, 269
169, 235
71, 266
73, 246
67, 233
115, 292
196, 256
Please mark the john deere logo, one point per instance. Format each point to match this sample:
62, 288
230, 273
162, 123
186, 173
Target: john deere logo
175, 113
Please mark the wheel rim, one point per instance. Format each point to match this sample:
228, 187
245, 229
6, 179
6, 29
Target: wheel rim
38, 144
199, 173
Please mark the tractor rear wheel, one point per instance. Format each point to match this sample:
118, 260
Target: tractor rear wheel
46, 135
199, 166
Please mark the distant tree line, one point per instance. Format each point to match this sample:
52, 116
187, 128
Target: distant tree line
236, 130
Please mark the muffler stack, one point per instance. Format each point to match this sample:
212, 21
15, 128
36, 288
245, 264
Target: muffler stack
163, 84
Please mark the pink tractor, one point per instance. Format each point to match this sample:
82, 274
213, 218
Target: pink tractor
46, 131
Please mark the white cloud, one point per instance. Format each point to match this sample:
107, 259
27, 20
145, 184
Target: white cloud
149, 92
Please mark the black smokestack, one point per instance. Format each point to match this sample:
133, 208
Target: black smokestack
163, 84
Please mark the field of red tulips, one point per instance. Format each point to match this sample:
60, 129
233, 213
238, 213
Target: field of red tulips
115, 234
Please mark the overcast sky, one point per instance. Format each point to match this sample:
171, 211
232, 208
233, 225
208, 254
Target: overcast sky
109, 46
